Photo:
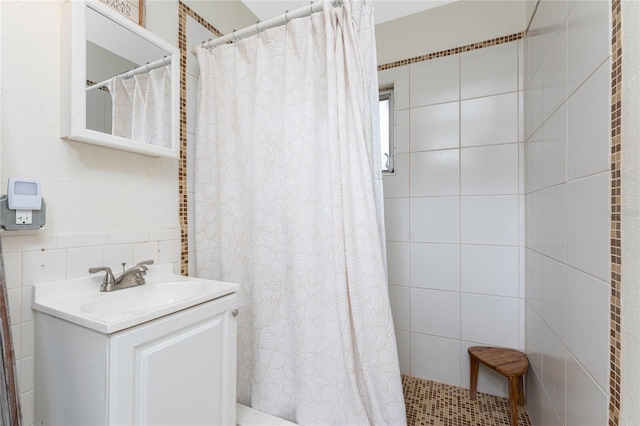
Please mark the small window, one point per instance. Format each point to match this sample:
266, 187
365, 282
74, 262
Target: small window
386, 130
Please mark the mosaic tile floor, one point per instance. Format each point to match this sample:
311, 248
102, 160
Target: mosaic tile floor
431, 403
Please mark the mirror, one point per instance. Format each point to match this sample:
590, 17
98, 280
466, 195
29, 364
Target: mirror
120, 83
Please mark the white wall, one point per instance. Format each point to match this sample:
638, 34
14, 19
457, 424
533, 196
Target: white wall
630, 412
567, 122
87, 188
454, 213
445, 27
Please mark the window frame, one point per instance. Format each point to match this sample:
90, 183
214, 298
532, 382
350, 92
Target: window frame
386, 93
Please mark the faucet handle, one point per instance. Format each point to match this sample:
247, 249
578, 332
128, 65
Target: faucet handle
145, 262
109, 279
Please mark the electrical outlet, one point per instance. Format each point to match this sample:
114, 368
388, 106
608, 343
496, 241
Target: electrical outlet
24, 217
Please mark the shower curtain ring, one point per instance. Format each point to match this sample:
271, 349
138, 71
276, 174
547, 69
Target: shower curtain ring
258, 30
286, 18
311, 7
233, 36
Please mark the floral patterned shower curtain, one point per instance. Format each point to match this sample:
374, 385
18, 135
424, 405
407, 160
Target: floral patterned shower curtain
288, 204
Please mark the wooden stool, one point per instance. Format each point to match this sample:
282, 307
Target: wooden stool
510, 363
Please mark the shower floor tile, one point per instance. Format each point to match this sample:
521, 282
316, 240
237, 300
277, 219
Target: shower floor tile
431, 403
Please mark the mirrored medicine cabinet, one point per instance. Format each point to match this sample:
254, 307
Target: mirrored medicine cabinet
97, 45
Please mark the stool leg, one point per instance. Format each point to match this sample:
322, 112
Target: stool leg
513, 400
520, 390
473, 366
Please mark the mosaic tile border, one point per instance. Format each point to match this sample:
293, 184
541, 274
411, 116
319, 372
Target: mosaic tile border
453, 51
183, 212
615, 375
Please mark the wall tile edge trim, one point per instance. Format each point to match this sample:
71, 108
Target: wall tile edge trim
453, 51
615, 370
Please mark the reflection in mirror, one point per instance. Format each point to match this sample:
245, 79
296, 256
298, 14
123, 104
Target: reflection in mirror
123, 83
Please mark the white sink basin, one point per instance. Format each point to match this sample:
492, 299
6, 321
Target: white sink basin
141, 298
80, 301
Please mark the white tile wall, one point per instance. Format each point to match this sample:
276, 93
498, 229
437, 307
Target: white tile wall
534, 174
398, 254
435, 220
554, 222
588, 309
534, 273
490, 170
586, 402
567, 181
33, 259
533, 339
490, 220
435, 127
435, 81
552, 164
436, 358
489, 120
490, 320
435, 266
490, 270
458, 209
588, 224
435, 173
553, 291
589, 124
534, 397
396, 219
588, 25
489, 71
533, 115
534, 46
554, 360
402, 130
554, 71
429, 307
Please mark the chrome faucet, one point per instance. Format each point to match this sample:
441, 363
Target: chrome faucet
132, 277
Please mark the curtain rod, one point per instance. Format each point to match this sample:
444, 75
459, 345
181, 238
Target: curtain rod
270, 23
140, 70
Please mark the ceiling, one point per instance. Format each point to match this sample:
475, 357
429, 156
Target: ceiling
385, 10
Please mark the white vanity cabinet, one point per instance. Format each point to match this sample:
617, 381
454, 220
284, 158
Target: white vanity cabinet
178, 369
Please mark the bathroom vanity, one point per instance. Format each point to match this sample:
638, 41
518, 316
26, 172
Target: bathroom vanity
163, 353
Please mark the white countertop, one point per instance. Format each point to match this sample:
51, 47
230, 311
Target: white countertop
80, 300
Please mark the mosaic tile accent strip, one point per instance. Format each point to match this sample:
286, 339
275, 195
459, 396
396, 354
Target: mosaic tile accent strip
183, 12
615, 374
454, 51
182, 161
431, 403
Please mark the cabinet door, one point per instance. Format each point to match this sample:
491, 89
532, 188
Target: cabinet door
177, 370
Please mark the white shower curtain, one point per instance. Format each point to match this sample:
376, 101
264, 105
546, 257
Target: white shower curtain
142, 106
287, 203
